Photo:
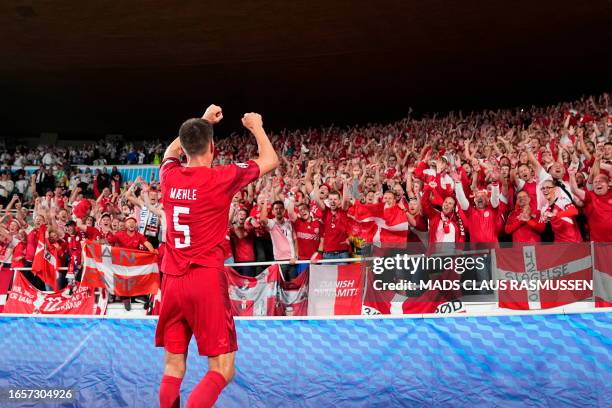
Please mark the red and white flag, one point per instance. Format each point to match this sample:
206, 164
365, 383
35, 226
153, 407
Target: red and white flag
602, 274
387, 224
335, 290
293, 295
124, 272
253, 296
543, 276
155, 304
26, 299
45, 262
6, 276
390, 302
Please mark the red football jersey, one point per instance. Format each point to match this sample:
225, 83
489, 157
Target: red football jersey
335, 230
598, 210
90, 233
123, 240
308, 237
565, 229
196, 202
482, 224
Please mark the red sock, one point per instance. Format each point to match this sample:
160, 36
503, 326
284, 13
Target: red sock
207, 391
170, 392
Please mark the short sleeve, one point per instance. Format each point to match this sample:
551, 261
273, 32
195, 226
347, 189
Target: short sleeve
243, 174
270, 223
168, 164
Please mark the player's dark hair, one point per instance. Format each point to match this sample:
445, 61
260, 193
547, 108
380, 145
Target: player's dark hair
278, 202
335, 192
195, 136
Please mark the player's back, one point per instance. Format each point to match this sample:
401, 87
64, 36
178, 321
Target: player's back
196, 202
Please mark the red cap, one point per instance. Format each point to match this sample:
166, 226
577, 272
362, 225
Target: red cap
131, 218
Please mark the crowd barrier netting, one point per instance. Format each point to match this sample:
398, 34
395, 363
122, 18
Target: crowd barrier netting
509, 361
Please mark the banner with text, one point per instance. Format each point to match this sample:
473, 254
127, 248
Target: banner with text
335, 290
124, 272
26, 299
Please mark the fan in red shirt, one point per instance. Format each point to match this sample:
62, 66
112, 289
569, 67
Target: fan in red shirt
524, 223
73, 242
130, 238
32, 240
524, 181
195, 298
483, 218
86, 229
18, 260
597, 206
241, 234
307, 230
334, 238
560, 212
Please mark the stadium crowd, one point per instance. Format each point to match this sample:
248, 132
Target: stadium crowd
101, 153
522, 175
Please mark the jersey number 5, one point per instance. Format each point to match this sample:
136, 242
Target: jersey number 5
178, 227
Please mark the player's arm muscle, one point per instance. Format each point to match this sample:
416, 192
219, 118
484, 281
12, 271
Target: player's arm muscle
268, 159
173, 150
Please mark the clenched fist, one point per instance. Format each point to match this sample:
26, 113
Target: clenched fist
213, 114
252, 121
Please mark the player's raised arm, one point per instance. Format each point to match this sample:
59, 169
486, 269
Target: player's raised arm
213, 115
268, 159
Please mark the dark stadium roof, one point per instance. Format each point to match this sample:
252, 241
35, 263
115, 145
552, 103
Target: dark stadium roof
141, 67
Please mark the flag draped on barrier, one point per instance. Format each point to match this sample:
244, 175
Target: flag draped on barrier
45, 262
293, 295
6, 276
253, 296
378, 301
526, 268
602, 275
124, 272
26, 299
335, 290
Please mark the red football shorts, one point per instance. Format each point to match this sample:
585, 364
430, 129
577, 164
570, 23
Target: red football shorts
196, 303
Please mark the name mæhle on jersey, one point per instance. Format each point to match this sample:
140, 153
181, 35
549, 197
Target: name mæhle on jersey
183, 193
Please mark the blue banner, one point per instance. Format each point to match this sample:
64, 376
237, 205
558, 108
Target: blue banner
128, 172
508, 361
